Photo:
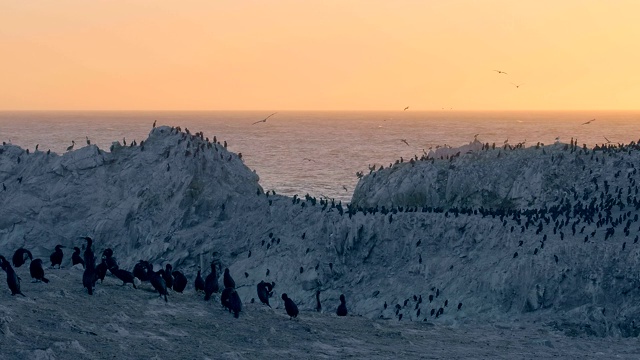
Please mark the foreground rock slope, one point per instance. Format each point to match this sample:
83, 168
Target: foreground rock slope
183, 200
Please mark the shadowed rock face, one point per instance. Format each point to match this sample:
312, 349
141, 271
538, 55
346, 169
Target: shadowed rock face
206, 203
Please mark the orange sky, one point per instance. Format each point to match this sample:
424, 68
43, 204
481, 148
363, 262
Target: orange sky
319, 55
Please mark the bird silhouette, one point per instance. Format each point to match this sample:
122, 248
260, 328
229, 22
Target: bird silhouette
589, 122
345, 188
73, 143
608, 141
407, 108
517, 85
307, 159
500, 72
265, 119
404, 141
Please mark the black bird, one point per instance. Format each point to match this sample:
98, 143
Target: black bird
89, 257
89, 277
37, 270
263, 120
167, 276
124, 275
56, 256
318, 305
235, 304
290, 306
141, 270
211, 283
112, 264
12, 279
263, 292
101, 270
75, 257
19, 257
158, 282
179, 281
342, 308
199, 283
228, 280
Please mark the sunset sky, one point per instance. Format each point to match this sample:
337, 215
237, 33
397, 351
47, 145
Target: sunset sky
319, 55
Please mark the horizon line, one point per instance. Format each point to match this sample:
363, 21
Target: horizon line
318, 110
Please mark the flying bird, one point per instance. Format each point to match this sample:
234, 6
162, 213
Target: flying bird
265, 119
345, 188
405, 141
608, 141
589, 122
307, 159
500, 72
517, 85
406, 108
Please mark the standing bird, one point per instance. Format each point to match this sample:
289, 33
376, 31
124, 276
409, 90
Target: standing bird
263, 292
263, 120
342, 308
167, 276
37, 270
290, 306
89, 257
124, 275
76, 258
235, 304
199, 283
101, 270
89, 277
179, 281
156, 279
88, 141
318, 305
141, 270
12, 279
73, 143
154, 124
211, 283
228, 280
56, 256
20, 257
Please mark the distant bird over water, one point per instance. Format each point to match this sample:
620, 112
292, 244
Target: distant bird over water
589, 122
345, 188
265, 119
608, 141
500, 72
407, 108
517, 85
405, 141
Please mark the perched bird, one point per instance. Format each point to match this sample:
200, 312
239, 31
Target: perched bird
73, 143
20, 257
13, 281
228, 280
141, 270
37, 270
158, 282
342, 308
124, 275
179, 281
211, 283
199, 283
290, 306
56, 256
264, 292
167, 276
76, 258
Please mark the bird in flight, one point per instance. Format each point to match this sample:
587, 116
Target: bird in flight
517, 85
608, 141
407, 108
404, 141
307, 159
265, 119
500, 72
589, 122
345, 188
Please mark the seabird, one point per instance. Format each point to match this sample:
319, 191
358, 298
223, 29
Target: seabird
516, 85
404, 141
500, 72
345, 188
608, 141
71, 147
407, 108
265, 119
589, 122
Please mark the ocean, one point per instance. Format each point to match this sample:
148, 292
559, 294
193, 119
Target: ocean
320, 152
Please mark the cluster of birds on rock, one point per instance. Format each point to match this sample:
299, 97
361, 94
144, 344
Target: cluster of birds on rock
161, 280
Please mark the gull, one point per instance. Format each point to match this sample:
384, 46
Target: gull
517, 85
345, 188
406, 108
500, 72
608, 141
404, 141
589, 122
265, 119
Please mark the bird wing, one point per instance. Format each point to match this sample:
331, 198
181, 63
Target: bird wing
259, 121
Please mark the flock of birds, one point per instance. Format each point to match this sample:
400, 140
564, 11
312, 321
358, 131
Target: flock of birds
161, 280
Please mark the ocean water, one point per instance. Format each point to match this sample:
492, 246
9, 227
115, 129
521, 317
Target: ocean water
320, 152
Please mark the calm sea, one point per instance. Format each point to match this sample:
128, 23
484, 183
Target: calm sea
320, 152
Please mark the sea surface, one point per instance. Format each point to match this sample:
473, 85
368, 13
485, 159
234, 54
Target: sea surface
320, 152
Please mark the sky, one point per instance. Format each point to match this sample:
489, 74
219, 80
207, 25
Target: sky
319, 55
